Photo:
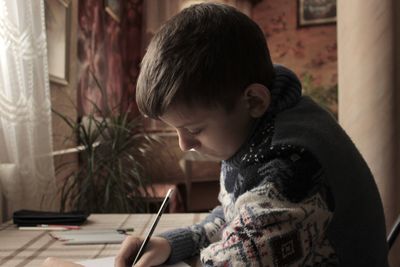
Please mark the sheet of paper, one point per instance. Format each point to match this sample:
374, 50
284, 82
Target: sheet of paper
109, 262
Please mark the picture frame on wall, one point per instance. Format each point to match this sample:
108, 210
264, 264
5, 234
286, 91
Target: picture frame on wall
316, 12
113, 8
58, 21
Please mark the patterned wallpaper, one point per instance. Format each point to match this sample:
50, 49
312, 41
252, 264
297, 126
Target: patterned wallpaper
311, 52
311, 49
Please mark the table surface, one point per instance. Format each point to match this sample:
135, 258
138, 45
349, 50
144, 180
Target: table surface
31, 248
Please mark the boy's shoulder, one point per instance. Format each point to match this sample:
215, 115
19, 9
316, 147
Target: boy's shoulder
306, 122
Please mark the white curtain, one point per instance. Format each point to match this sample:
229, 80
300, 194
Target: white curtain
26, 165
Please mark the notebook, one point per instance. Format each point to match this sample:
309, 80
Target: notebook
109, 262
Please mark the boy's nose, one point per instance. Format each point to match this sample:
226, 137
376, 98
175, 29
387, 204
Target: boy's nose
187, 142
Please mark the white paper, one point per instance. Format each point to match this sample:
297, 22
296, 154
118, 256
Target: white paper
109, 262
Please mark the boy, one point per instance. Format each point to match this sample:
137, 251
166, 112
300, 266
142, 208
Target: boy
294, 189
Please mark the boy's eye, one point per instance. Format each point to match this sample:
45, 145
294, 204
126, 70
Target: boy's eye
194, 131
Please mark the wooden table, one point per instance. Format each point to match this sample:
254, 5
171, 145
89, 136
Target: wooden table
31, 248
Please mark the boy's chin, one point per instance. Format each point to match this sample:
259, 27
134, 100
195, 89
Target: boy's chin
214, 158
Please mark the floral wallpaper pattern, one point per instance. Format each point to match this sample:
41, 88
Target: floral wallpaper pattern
306, 49
310, 51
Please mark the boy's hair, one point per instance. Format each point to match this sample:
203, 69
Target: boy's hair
205, 56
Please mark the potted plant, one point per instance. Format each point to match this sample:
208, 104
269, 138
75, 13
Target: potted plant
110, 176
327, 96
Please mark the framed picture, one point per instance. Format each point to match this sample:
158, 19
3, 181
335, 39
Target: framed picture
316, 12
113, 8
58, 19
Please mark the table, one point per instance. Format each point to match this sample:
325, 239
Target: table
31, 248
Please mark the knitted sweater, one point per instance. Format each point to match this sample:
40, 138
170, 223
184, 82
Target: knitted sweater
278, 201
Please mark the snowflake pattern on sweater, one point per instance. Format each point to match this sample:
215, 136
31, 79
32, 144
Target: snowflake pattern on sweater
275, 207
281, 236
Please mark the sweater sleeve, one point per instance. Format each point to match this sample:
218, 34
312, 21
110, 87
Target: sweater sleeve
272, 233
187, 242
274, 224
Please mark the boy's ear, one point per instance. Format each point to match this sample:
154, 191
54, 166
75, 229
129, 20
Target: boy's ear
257, 99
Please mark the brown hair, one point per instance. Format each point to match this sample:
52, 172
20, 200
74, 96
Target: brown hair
205, 56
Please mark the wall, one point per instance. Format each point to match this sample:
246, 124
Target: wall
311, 49
368, 67
63, 100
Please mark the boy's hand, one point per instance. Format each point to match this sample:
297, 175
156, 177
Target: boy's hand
157, 252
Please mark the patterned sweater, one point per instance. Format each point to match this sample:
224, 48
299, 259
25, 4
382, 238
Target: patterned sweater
276, 203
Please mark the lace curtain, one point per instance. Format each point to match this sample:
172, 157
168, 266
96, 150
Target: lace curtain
26, 165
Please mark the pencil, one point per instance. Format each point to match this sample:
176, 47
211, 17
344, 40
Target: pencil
153, 226
46, 227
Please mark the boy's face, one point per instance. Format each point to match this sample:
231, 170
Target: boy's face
213, 132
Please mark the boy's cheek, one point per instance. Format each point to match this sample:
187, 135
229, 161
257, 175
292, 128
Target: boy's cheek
218, 151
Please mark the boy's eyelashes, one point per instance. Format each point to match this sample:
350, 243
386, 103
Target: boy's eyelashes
194, 131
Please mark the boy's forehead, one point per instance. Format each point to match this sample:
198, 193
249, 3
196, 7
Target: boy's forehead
181, 116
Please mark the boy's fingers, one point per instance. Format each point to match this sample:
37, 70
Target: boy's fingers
156, 252
127, 252
146, 260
